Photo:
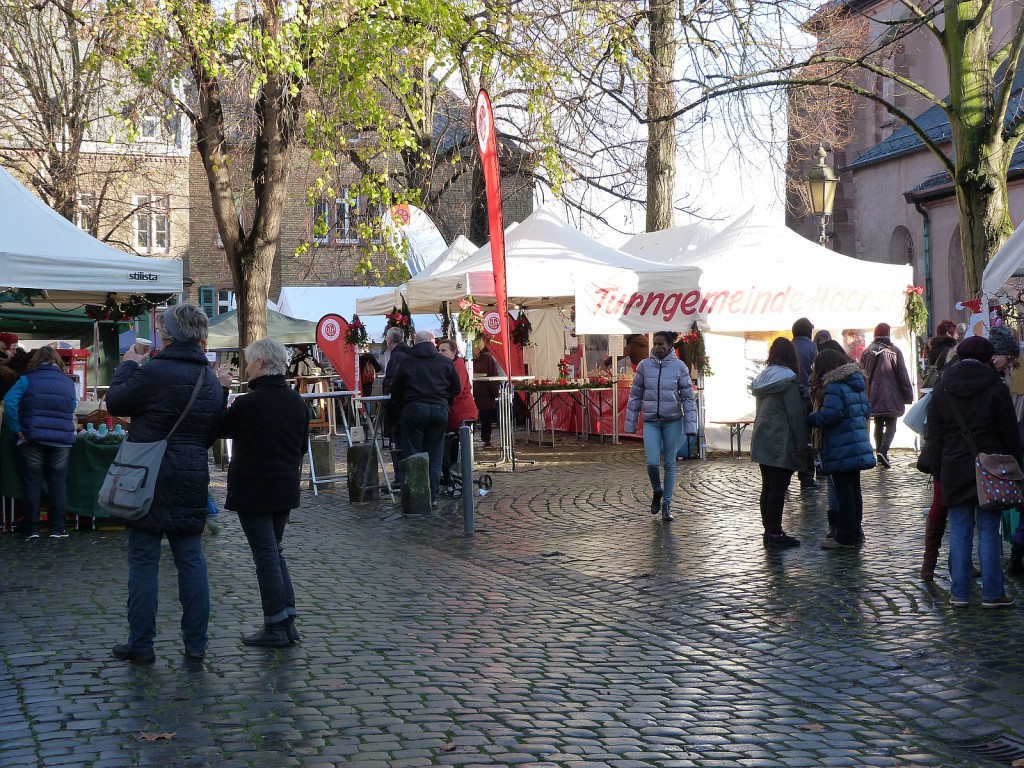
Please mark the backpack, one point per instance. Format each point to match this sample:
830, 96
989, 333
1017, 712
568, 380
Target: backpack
368, 373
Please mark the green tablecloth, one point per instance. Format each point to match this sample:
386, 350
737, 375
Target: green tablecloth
87, 465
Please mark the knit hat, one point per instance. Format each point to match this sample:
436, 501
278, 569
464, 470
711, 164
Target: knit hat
1003, 341
975, 348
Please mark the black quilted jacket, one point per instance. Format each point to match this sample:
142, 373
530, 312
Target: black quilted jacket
153, 396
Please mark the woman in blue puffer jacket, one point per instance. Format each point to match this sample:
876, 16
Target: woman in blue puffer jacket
846, 447
663, 391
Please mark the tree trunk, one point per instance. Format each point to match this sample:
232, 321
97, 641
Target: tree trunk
251, 269
982, 156
661, 133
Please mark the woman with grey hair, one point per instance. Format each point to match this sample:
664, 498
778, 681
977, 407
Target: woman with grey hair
269, 426
154, 392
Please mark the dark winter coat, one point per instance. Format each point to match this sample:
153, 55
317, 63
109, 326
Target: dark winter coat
153, 396
985, 403
663, 391
41, 405
464, 406
806, 351
390, 371
269, 426
843, 420
889, 387
779, 436
485, 393
425, 376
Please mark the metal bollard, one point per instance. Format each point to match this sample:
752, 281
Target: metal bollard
466, 467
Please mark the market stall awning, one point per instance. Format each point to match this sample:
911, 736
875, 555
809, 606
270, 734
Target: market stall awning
286, 330
41, 250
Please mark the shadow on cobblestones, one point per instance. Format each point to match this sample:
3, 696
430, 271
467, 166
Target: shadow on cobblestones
571, 630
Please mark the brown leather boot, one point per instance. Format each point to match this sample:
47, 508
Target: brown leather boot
933, 531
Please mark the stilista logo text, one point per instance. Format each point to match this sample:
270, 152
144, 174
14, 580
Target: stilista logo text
147, 276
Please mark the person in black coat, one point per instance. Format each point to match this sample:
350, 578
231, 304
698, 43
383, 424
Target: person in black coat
270, 427
971, 388
153, 396
424, 388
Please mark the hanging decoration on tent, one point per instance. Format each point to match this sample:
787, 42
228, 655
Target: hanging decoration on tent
126, 309
356, 335
444, 316
521, 329
401, 318
915, 313
691, 349
563, 371
470, 318
21, 296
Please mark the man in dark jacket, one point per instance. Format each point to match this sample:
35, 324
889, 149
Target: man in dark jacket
394, 337
270, 428
154, 396
424, 389
972, 392
806, 351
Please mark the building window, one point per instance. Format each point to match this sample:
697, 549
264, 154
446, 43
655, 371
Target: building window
85, 212
152, 223
337, 222
149, 128
215, 301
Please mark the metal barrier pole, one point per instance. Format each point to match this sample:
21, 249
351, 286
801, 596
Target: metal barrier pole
466, 467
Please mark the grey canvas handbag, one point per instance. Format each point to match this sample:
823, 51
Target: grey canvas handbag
129, 486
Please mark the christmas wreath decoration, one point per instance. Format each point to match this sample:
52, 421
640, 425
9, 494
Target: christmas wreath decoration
691, 350
470, 318
356, 335
521, 328
915, 312
124, 310
400, 318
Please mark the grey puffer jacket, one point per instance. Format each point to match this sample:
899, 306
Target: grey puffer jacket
663, 391
780, 427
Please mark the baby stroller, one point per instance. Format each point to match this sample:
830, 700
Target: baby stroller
451, 467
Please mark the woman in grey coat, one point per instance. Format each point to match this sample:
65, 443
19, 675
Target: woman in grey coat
663, 391
779, 440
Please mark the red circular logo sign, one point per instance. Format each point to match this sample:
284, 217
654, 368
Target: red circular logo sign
492, 323
330, 329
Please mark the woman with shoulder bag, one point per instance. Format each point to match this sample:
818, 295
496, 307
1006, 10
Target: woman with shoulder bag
971, 393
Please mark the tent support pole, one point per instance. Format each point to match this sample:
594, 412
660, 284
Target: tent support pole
95, 359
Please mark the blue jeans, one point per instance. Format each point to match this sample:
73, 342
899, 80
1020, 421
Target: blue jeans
264, 534
661, 440
38, 460
961, 537
144, 583
423, 426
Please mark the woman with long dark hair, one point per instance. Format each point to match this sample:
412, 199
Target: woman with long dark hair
779, 440
845, 445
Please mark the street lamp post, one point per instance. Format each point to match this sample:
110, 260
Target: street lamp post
821, 188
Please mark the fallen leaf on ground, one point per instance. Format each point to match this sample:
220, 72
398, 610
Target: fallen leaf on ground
813, 727
156, 736
447, 747
1019, 763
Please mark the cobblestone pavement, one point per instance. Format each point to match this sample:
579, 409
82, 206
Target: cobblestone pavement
571, 630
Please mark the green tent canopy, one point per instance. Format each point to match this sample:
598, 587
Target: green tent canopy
287, 330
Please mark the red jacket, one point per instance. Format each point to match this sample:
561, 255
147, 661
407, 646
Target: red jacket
463, 408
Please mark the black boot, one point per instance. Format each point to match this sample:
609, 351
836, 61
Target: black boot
933, 530
831, 524
271, 636
656, 502
291, 631
1016, 565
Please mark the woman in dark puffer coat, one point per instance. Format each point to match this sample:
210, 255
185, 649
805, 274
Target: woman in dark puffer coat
154, 396
972, 388
845, 446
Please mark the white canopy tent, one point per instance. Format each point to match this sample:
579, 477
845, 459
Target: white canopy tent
41, 250
1006, 264
672, 245
311, 304
752, 281
544, 256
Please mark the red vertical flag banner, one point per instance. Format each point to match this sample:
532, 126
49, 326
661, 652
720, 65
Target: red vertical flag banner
488, 142
330, 337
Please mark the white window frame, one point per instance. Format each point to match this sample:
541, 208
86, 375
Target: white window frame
152, 223
149, 128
